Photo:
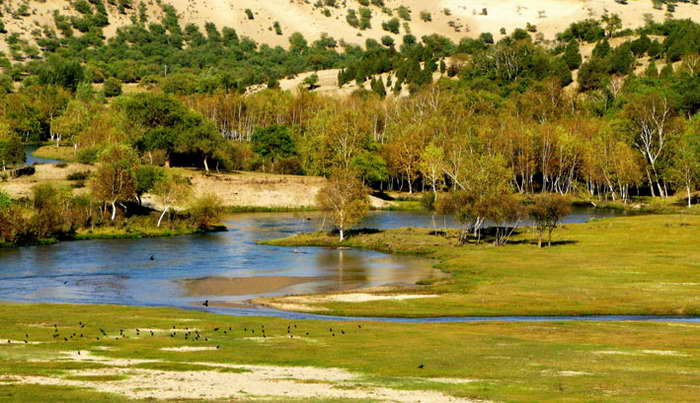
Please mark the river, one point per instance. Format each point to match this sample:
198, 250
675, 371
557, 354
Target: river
186, 270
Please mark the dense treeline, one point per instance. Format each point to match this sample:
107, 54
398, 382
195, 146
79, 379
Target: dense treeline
505, 118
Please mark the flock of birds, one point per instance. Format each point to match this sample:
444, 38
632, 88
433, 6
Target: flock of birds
189, 335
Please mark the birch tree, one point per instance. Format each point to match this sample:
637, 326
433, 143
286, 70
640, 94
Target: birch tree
344, 199
114, 180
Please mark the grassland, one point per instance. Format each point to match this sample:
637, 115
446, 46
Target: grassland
632, 361
642, 265
51, 152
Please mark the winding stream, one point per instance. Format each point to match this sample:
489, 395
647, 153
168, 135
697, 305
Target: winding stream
162, 271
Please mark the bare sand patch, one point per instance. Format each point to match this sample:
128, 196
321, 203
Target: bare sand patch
664, 352
449, 380
225, 286
614, 352
257, 382
310, 303
10, 342
573, 373
186, 349
87, 356
364, 297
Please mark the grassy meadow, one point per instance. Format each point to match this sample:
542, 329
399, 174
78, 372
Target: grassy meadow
631, 361
640, 265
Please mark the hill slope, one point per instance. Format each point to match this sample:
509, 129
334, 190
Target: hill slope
452, 18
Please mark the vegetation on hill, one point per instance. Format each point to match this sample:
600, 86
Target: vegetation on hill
504, 118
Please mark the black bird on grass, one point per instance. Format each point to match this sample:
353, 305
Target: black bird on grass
421, 366
206, 303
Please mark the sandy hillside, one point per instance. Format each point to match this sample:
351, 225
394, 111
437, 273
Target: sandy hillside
452, 18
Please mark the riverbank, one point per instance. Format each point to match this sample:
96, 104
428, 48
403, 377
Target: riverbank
137, 232
641, 265
223, 357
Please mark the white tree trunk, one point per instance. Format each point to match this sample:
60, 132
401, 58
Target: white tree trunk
114, 211
162, 215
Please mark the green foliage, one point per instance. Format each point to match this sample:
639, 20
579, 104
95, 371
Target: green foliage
5, 201
11, 148
572, 55
63, 72
393, 25
205, 211
147, 176
112, 87
371, 168
273, 142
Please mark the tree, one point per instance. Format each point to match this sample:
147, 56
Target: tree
370, 167
112, 87
11, 149
170, 190
67, 73
161, 122
431, 163
547, 211
572, 55
114, 179
506, 213
685, 170
613, 23
147, 176
206, 210
650, 120
311, 81
344, 199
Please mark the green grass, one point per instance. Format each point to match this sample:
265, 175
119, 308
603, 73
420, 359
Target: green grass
51, 152
505, 361
642, 265
252, 209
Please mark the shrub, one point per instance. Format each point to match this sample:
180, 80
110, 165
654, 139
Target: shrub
78, 176
88, 155
112, 87
205, 211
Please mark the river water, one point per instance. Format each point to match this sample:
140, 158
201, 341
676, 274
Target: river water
155, 272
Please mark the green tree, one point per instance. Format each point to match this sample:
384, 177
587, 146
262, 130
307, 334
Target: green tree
170, 190
685, 170
66, 73
114, 180
273, 142
112, 87
205, 211
572, 55
11, 149
547, 211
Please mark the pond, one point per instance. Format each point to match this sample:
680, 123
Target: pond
226, 268
30, 159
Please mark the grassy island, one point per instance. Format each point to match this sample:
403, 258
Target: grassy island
642, 265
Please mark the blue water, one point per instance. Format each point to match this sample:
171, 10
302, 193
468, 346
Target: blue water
122, 272
31, 159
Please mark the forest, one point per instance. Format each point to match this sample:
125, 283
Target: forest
504, 119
